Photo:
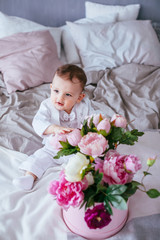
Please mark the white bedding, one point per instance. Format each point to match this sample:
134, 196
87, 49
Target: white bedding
109, 45
35, 215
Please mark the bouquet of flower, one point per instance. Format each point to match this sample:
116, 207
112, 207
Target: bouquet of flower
96, 172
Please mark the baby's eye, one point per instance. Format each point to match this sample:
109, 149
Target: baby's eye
55, 90
68, 95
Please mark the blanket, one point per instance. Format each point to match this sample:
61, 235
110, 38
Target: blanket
35, 214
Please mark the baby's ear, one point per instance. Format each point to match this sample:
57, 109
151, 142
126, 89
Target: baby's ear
51, 85
81, 96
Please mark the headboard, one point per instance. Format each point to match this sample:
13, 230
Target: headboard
56, 12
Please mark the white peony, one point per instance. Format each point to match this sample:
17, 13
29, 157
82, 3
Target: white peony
89, 178
75, 166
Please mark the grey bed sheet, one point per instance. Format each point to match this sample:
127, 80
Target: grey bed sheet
131, 90
16, 115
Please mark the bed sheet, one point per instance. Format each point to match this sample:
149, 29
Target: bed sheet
35, 214
17, 111
132, 90
16, 115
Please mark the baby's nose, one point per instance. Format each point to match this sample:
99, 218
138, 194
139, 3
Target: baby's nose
60, 97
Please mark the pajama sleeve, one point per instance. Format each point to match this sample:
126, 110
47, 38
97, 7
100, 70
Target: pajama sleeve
42, 119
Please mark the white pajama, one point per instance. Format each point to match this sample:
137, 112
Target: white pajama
42, 159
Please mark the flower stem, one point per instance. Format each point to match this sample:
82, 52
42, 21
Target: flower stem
143, 180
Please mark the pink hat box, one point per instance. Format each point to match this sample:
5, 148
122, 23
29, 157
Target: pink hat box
74, 219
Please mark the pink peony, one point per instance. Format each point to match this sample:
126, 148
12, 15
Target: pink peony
68, 193
132, 164
55, 141
74, 137
99, 164
96, 119
114, 172
97, 217
119, 121
93, 144
118, 169
104, 125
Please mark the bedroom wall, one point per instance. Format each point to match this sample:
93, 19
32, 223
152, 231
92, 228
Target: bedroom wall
56, 12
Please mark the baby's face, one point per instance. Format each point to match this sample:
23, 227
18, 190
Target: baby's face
65, 93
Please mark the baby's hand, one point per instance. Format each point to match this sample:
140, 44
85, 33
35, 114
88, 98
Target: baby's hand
62, 130
55, 129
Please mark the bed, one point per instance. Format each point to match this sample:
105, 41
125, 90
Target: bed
117, 43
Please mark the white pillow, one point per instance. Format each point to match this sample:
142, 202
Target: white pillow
10, 25
114, 44
129, 12
70, 49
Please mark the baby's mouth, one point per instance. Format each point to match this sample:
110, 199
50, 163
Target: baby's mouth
60, 104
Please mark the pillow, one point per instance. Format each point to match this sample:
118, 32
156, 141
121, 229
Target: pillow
156, 26
114, 44
28, 59
129, 12
70, 49
10, 25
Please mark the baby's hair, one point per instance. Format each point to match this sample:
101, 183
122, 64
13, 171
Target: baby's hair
72, 71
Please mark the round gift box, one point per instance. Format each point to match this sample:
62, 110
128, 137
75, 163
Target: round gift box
74, 219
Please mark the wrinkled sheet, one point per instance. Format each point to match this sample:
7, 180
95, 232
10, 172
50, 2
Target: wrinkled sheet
16, 115
35, 214
132, 90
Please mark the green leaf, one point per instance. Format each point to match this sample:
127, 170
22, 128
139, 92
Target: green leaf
134, 184
131, 189
129, 137
116, 189
65, 152
146, 173
89, 168
83, 203
101, 187
117, 133
65, 144
107, 206
89, 195
91, 124
85, 128
114, 136
137, 133
103, 133
90, 202
99, 197
153, 193
118, 202
97, 177
95, 192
